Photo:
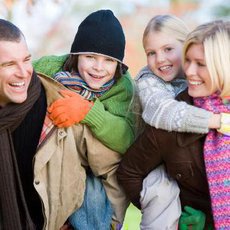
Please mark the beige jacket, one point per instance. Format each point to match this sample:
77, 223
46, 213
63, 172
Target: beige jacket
59, 175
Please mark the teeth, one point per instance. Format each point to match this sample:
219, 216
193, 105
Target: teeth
165, 67
195, 82
98, 77
18, 84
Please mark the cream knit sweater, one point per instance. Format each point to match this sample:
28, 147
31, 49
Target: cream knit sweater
161, 110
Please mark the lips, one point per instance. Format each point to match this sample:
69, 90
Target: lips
194, 82
165, 68
18, 87
17, 84
96, 76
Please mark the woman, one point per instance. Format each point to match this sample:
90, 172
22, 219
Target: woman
186, 156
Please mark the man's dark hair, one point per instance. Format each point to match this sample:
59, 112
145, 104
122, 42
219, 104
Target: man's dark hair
9, 32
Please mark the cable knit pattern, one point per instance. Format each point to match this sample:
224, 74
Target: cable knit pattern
161, 110
217, 163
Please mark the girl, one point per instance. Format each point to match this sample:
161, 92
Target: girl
162, 79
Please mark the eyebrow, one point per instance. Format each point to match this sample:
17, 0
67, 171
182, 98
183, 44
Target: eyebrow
9, 62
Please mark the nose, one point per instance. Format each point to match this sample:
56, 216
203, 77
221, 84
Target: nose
160, 57
23, 70
190, 69
98, 65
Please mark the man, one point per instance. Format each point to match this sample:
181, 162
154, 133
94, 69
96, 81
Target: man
23, 99
42, 180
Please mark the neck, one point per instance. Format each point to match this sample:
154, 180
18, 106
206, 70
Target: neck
3, 104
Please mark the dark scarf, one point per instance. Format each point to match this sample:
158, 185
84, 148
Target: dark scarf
10, 118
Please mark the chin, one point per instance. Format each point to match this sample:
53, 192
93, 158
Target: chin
95, 87
168, 78
195, 94
192, 93
20, 100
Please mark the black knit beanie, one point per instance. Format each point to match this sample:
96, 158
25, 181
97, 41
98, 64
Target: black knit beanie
101, 33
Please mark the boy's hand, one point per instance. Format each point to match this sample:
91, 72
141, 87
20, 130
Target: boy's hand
191, 219
69, 110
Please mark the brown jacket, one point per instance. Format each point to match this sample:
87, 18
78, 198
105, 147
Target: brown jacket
182, 154
59, 168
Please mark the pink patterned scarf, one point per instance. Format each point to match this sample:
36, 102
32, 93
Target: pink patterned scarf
217, 163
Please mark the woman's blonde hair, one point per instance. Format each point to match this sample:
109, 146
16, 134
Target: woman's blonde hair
169, 24
215, 38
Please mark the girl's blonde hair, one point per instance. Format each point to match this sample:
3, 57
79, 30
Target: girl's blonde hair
169, 24
215, 38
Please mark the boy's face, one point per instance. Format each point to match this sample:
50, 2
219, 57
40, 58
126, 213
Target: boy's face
164, 55
96, 69
15, 71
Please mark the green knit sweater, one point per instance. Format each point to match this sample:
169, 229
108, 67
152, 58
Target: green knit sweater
110, 119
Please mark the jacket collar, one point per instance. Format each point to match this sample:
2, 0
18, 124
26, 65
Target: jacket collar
52, 88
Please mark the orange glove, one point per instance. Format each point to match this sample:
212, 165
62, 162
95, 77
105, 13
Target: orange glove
69, 110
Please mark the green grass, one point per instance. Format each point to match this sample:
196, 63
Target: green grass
132, 219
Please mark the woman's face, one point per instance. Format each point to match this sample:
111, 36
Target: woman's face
164, 55
96, 70
198, 77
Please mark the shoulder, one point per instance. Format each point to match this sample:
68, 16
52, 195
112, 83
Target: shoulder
147, 78
144, 73
125, 82
184, 96
50, 58
51, 87
49, 64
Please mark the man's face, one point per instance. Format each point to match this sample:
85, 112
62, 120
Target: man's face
15, 71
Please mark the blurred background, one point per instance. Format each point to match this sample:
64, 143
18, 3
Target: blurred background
50, 25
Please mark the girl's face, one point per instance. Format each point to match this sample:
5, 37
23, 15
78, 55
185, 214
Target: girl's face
199, 81
163, 55
95, 69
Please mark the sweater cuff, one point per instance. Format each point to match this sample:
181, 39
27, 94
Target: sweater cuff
94, 117
197, 119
